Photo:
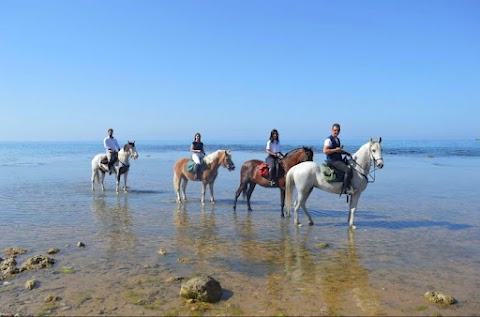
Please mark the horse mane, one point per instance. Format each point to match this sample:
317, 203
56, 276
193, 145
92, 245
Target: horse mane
211, 157
305, 148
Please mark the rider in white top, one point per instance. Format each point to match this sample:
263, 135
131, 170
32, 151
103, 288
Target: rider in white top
111, 147
273, 149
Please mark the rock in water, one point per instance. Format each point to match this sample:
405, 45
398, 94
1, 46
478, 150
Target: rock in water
439, 298
202, 288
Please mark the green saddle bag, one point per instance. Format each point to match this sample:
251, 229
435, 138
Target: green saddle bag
330, 175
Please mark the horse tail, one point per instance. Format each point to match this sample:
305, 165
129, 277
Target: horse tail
289, 186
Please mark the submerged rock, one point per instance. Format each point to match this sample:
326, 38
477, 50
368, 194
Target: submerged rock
202, 288
439, 298
30, 284
14, 251
53, 250
38, 262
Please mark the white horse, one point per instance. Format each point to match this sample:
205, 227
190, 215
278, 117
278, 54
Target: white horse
308, 175
121, 166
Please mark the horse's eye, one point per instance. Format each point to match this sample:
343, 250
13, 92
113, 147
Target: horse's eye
374, 150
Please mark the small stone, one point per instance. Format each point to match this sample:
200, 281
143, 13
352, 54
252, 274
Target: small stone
30, 284
323, 245
162, 251
53, 250
51, 298
80, 244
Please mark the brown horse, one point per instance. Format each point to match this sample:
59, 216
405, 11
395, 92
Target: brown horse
210, 171
249, 176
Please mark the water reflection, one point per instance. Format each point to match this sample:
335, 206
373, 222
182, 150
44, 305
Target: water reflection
114, 225
342, 279
196, 234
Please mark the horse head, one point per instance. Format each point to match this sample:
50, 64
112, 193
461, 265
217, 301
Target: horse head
376, 152
130, 148
226, 160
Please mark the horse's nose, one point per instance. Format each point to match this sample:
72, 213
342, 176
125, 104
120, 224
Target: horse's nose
380, 163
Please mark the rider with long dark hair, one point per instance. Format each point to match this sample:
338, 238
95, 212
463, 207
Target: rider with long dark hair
274, 154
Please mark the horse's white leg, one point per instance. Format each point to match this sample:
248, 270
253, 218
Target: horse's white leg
102, 178
125, 181
307, 213
204, 189
184, 188
212, 200
94, 171
301, 202
117, 182
353, 207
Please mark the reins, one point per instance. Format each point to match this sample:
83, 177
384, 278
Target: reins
369, 178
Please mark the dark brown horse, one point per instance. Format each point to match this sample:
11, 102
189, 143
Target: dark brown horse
212, 162
249, 176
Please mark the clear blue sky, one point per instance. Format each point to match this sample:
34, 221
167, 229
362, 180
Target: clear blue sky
233, 70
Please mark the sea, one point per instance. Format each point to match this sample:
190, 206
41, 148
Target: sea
418, 230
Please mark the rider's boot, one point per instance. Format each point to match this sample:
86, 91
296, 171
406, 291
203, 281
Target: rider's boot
271, 177
196, 170
348, 184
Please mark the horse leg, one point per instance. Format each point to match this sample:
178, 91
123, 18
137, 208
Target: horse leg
184, 188
94, 175
353, 207
204, 188
251, 187
282, 200
301, 202
102, 178
212, 200
125, 181
237, 193
176, 186
117, 182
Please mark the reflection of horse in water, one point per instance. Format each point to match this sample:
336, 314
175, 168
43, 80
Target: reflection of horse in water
210, 171
308, 175
121, 166
250, 177
114, 224
195, 236
345, 284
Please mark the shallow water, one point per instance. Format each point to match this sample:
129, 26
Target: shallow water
418, 227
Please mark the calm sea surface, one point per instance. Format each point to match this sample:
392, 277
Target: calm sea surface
418, 230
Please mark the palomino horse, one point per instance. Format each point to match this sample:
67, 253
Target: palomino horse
308, 175
210, 171
249, 176
121, 166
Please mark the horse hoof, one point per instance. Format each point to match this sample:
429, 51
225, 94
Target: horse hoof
310, 223
299, 225
353, 227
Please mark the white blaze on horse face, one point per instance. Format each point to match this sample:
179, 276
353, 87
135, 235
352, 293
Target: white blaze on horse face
376, 151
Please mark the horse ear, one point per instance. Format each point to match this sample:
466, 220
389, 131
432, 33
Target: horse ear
380, 140
371, 140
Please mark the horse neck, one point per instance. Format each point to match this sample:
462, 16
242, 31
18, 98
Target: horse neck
362, 157
293, 158
123, 156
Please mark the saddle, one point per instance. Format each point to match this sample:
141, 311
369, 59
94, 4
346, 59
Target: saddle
190, 167
263, 170
330, 174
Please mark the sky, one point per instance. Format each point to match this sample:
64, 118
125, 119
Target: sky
234, 70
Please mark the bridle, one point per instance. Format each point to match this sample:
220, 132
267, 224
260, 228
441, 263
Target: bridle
373, 161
